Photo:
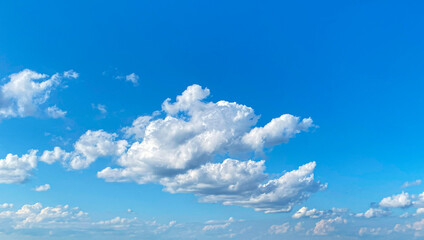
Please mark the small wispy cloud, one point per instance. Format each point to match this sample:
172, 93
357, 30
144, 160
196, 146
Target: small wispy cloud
70, 74
132, 78
410, 184
100, 107
42, 188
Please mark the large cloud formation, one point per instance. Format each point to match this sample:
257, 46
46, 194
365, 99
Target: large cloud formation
180, 151
190, 147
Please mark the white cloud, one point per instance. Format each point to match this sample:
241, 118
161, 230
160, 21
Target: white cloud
178, 150
279, 229
218, 224
419, 202
55, 112
42, 188
277, 131
277, 195
231, 177
57, 154
30, 216
374, 212
325, 226
15, 169
420, 210
373, 231
89, 147
304, 212
401, 200
418, 225
6, 205
138, 127
70, 74
414, 183
25, 92
63, 221
299, 227
132, 78
102, 108
118, 222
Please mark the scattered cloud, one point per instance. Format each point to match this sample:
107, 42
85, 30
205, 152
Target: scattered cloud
410, 184
6, 205
42, 188
214, 225
100, 107
37, 216
325, 226
132, 78
279, 229
55, 112
374, 212
27, 91
363, 231
71, 74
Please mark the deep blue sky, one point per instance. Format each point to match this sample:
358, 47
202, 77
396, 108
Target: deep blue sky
354, 67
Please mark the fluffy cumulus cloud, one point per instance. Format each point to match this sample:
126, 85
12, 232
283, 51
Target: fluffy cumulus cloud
402, 200
178, 149
182, 148
15, 169
89, 147
27, 91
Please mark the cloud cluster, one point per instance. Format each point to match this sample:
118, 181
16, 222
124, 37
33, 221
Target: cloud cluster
303, 212
325, 226
182, 148
178, 149
30, 216
71, 222
27, 91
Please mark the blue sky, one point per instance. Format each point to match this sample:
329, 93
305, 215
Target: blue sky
85, 85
